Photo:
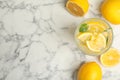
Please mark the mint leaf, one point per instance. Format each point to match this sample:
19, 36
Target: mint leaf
106, 40
83, 27
107, 29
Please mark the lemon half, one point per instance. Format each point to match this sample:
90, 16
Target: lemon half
110, 58
77, 7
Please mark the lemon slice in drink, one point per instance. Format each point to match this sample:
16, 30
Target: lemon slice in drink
77, 7
97, 43
96, 26
84, 36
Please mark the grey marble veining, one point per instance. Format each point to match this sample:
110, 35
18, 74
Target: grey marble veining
37, 41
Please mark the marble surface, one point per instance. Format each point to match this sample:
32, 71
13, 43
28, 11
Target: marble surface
37, 41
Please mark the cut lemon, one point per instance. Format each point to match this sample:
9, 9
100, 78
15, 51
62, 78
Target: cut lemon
97, 43
110, 58
84, 36
77, 7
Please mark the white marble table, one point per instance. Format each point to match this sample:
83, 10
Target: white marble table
37, 41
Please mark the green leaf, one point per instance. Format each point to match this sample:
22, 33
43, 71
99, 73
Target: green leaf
83, 27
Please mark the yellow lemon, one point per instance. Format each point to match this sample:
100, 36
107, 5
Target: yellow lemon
110, 58
90, 71
77, 7
110, 10
97, 43
84, 36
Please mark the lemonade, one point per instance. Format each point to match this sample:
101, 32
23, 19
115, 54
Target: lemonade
94, 36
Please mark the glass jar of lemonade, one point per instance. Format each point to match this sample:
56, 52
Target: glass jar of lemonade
94, 36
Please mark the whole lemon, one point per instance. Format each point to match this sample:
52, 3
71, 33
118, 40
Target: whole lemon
90, 71
110, 10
